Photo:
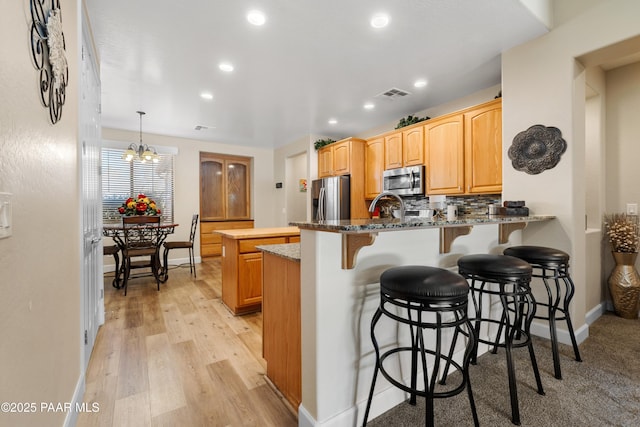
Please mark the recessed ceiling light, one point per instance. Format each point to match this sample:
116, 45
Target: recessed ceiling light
380, 20
369, 106
226, 67
333, 121
420, 83
256, 17
206, 95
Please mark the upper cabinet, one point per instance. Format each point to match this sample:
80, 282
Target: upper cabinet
444, 148
224, 187
404, 148
347, 157
413, 146
464, 151
483, 148
374, 166
335, 159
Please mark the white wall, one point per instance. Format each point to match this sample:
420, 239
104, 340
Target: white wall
297, 200
623, 136
187, 177
595, 144
40, 330
280, 156
543, 84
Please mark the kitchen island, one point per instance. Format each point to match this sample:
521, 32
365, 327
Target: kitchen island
341, 262
242, 264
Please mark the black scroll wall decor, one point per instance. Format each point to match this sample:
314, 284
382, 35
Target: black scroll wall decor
48, 53
537, 149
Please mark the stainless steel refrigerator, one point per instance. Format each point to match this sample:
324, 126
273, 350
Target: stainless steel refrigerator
330, 198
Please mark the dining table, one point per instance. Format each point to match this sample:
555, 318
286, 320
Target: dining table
116, 232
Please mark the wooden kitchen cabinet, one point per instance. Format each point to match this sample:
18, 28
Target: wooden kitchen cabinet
444, 149
347, 157
211, 240
404, 148
483, 148
334, 159
413, 146
325, 162
249, 272
242, 264
281, 326
224, 187
374, 166
464, 151
393, 151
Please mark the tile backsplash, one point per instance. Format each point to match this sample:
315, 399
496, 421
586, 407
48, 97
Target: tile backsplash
467, 205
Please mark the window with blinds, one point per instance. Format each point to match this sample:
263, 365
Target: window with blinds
122, 179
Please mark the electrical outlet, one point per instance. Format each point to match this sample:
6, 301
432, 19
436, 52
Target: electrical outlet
632, 209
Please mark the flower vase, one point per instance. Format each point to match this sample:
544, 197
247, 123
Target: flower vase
624, 285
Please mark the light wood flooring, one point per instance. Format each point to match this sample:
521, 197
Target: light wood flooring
178, 357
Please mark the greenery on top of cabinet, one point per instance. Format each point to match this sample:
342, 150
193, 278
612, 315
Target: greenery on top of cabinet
410, 120
322, 142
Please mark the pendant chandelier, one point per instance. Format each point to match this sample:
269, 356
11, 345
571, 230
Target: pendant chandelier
141, 152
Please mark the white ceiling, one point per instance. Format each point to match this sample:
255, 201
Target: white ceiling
311, 61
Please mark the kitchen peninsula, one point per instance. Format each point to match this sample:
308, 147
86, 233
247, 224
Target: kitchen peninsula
341, 262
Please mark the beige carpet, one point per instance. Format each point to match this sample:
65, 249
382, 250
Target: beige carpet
603, 390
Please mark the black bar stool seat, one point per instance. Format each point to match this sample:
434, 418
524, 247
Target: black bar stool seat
511, 277
552, 266
435, 299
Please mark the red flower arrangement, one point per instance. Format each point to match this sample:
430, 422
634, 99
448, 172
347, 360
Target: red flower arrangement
141, 205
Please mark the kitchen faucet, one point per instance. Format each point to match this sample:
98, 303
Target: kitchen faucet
372, 206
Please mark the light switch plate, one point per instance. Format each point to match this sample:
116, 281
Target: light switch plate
632, 209
5, 215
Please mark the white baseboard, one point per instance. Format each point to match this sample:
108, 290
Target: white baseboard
541, 328
597, 311
72, 416
382, 402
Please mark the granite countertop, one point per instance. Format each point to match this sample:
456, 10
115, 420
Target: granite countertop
374, 225
287, 250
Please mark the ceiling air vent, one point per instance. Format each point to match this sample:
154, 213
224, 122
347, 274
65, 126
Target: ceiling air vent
393, 93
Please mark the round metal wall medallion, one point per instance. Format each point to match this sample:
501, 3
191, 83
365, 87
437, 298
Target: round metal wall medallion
537, 149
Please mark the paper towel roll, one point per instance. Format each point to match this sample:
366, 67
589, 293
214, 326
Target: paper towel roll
452, 212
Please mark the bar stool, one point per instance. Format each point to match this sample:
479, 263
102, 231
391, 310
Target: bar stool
435, 299
552, 266
512, 276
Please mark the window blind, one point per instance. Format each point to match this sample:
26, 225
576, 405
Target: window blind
122, 179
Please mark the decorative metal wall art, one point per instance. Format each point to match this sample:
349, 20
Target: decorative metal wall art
537, 149
48, 53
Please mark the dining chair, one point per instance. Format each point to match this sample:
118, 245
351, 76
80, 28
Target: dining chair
182, 245
141, 237
114, 250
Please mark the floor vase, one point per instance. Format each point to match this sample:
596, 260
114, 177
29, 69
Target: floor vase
624, 285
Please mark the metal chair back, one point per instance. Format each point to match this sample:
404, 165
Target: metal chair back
141, 232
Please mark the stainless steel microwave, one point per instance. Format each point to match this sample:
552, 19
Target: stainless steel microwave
407, 181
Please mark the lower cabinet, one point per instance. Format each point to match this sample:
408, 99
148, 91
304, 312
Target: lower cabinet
242, 264
281, 336
250, 275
